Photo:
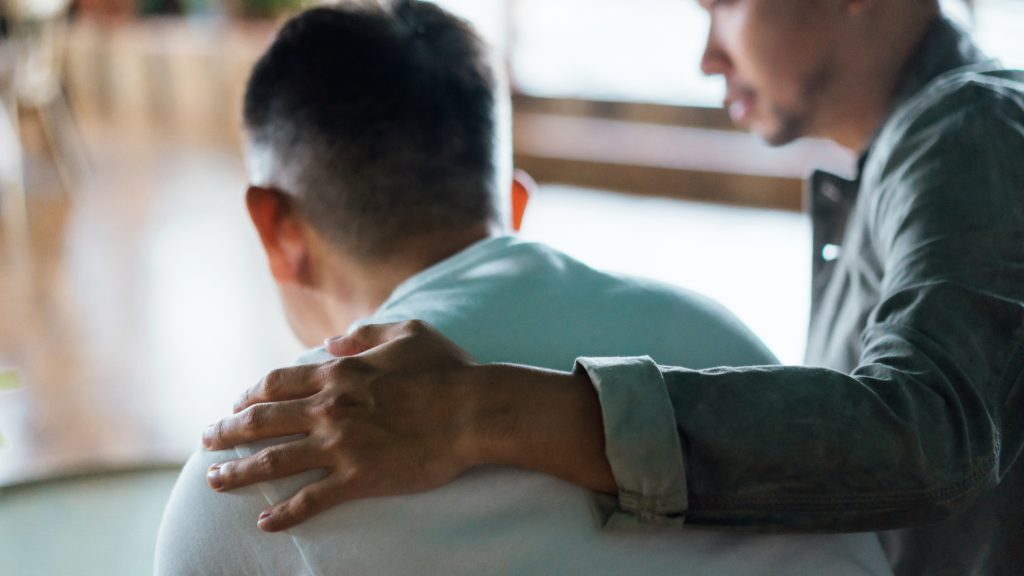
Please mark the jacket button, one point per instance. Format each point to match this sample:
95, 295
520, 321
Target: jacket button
830, 252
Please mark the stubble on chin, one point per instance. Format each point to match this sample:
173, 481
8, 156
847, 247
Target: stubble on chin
797, 121
788, 126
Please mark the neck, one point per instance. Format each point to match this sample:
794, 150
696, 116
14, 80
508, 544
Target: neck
883, 46
360, 286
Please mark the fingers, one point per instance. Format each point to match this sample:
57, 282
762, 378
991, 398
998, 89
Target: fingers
307, 503
282, 384
273, 462
371, 336
258, 422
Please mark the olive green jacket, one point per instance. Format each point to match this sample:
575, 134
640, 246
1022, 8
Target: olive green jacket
910, 411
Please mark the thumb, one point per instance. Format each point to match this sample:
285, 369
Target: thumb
364, 338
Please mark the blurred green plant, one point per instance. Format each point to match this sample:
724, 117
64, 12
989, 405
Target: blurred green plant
160, 7
9, 380
269, 8
246, 9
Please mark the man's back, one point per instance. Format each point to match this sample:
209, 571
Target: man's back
505, 301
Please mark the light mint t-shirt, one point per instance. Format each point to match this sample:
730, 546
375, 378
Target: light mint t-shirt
505, 300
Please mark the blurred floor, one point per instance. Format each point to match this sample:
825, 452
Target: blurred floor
84, 526
149, 307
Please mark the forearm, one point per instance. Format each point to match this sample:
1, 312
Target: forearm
540, 420
792, 448
781, 447
814, 449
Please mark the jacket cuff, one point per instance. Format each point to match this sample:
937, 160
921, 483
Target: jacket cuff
641, 441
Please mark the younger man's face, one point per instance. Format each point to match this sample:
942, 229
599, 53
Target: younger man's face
777, 58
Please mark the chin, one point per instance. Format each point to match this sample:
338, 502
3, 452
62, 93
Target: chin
775, 139
778, 135
783, 129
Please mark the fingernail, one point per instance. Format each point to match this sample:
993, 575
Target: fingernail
213, 477
264, 516
332, 340
208, 436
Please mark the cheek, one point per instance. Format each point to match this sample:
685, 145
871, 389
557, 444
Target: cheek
781, 43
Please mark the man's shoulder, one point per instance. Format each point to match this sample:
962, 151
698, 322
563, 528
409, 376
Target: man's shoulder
206, 532
977, 87
968, 103
545, 279
545, 261
962, 129
947, 162
530, 303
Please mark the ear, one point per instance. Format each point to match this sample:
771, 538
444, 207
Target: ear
281, 232
523, 187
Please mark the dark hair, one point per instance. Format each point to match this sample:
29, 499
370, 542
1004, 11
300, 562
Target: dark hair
385, 114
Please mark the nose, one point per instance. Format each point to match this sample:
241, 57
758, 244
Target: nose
714, 61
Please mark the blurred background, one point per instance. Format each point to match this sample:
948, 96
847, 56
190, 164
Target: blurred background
134, 301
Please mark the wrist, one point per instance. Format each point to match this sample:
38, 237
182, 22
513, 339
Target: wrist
489, 412
541, 420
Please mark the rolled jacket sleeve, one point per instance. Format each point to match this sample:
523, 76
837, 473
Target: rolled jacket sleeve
641, 441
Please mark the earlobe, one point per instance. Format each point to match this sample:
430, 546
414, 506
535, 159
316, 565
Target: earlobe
280, 233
